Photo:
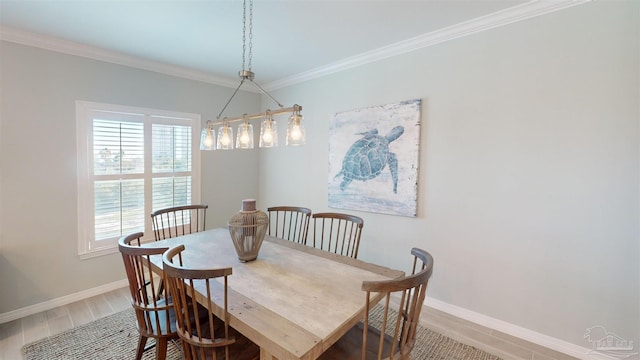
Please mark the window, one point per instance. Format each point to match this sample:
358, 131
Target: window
131, 162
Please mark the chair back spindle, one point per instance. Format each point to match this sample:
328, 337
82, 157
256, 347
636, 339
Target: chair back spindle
337, 233
289, 223
179, 220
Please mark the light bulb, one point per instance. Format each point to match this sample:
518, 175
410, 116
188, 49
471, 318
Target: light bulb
225, 137
295, 132
245, 136
268, 133
207, 138
267, 138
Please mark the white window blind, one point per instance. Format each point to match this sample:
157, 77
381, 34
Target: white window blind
131, 162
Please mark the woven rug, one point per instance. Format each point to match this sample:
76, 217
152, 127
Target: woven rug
115, 337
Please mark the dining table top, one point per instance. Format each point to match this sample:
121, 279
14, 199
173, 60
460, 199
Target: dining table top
294, 301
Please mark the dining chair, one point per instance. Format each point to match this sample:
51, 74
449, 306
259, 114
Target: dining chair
289, 223
155, 317
178, 220
208, 337
387, 331
175, 221
337, 233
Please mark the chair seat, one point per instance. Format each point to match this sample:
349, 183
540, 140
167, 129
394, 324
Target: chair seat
203, 314
161, 316
349, 347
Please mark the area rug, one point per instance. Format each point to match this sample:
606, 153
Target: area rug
115, 337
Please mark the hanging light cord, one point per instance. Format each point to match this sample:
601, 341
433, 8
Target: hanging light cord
246, 73
244, 33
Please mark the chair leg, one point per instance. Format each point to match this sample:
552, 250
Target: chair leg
141, 343
161, 348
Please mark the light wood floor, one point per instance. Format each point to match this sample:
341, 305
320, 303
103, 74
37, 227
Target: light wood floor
14, 334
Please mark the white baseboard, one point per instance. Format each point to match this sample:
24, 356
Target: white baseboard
462, 313
61, 301
514, 330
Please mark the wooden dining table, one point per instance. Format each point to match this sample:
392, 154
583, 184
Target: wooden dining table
293, 301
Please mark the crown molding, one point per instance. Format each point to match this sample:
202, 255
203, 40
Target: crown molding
507, 16
15, 35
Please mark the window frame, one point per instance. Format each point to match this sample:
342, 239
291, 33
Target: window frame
88, 247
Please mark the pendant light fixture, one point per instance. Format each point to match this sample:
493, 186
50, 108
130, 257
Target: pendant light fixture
268, 130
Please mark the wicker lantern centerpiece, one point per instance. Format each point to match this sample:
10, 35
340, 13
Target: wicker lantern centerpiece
247, 229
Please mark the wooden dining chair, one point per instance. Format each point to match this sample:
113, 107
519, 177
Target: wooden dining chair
179, 220
337, 233
176, 221
155, 317
289, 223
391, 333
208, 337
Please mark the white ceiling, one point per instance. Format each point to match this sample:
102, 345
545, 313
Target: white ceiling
289, 37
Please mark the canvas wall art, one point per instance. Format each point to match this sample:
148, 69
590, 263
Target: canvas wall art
373, 158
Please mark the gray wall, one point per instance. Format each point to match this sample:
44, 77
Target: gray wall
38, 259
528, 188
528, 178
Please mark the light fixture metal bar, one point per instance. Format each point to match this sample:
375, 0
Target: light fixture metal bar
256, 115
231, 98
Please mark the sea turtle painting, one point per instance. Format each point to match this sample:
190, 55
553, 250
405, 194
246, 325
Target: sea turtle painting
368, 157
368, 144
